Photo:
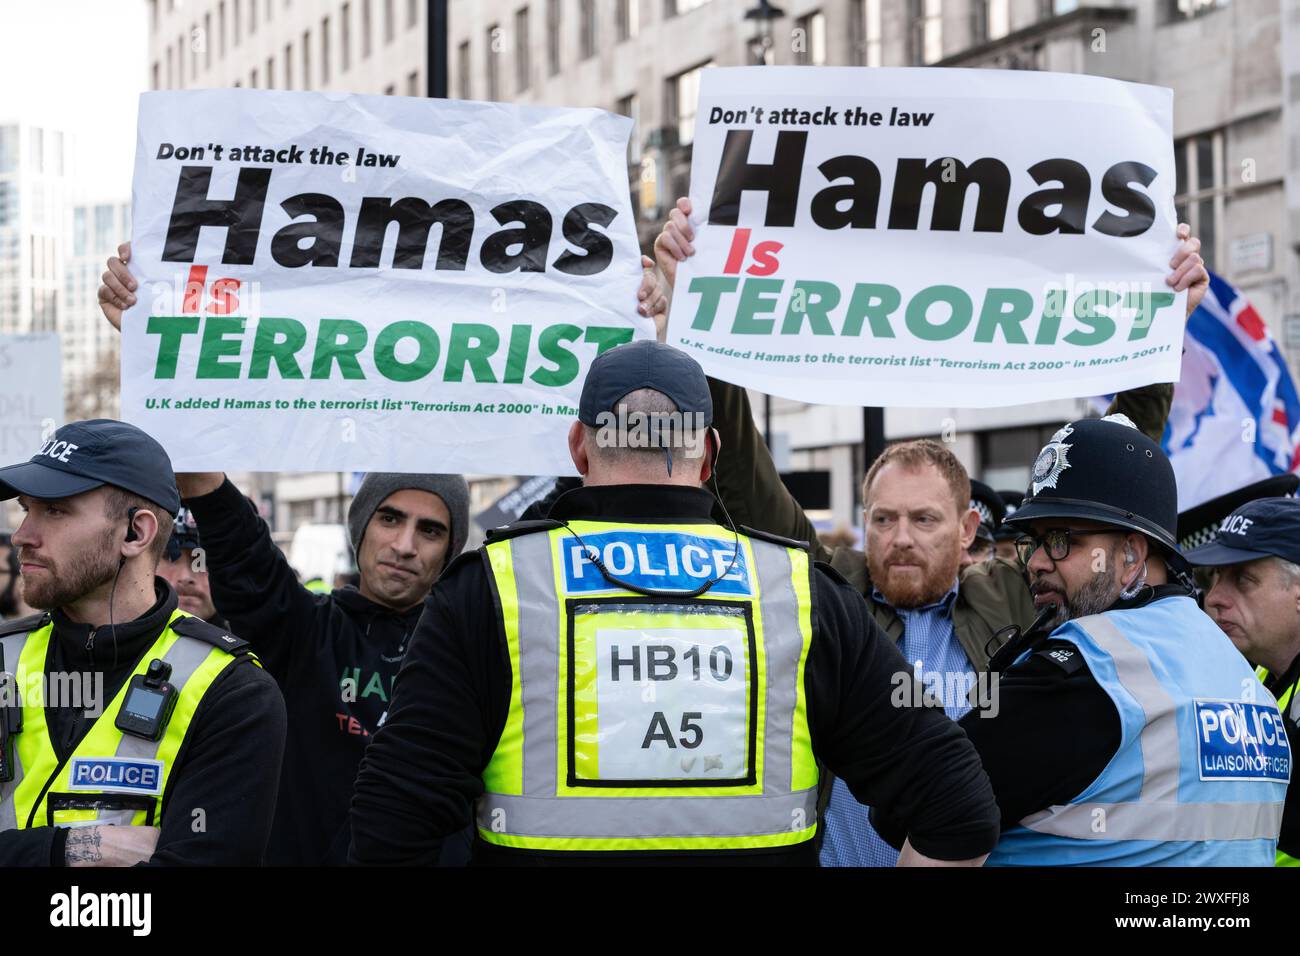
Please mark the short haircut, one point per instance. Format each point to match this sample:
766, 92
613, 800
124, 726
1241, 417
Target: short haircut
118, 502
662, 422
917, 454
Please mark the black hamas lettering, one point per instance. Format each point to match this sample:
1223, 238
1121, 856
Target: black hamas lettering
317, 225
852, 196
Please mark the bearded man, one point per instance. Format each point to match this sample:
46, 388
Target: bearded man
130, 731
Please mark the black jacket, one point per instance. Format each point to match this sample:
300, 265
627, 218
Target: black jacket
423, 770
227, 766
335, 657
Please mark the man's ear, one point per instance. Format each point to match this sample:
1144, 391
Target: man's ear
970, 523
578, 447
712, 447
1139, 545
145, 524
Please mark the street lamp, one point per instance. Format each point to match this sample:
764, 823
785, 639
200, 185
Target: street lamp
764, 16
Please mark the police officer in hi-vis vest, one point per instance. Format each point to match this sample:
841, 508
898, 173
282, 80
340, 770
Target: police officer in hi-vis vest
130, 731
1255, 599
1129, 730
628, 679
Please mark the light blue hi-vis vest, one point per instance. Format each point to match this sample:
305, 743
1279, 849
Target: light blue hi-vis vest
1201, 772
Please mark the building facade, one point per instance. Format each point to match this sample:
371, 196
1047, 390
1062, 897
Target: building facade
356, 46
35, 190
90, 345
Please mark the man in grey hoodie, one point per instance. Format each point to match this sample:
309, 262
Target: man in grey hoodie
334, 655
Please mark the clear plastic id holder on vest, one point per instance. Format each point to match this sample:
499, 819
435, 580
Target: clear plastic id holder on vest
661, 692
81, 810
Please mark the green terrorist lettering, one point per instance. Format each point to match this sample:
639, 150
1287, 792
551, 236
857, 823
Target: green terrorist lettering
937, 313
547, 356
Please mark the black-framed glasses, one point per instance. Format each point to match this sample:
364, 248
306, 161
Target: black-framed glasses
1056, 540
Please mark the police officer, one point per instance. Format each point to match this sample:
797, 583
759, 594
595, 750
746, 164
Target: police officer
1255, 599
184, 567
131, 730
988, 504
1118, 733
1004, 535
1199, 524
628, 678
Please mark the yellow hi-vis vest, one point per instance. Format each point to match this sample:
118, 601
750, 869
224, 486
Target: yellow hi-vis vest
1283, 859
651, 723
111, 777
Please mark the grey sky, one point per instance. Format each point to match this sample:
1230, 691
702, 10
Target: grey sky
79, 65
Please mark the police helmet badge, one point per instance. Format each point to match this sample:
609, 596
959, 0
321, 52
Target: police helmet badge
1120, 419
1051, 461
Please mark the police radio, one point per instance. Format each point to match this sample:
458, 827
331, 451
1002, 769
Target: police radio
1018, 642
149, 702
11, 720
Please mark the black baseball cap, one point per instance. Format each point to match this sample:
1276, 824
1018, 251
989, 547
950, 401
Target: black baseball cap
185, 535
83, 456
644, 364
1264, 528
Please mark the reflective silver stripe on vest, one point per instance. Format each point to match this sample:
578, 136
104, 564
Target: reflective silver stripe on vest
577, 817
781, 636
1161, 822
539, 812
1156, 815
184, 656
539, 660
13, 645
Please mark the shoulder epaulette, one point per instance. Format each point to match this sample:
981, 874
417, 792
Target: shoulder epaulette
1064, 655
522, 527
20, 625
201, 630
775, 538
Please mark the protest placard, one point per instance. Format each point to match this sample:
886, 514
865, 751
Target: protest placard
31, 393
924, 237
339, 282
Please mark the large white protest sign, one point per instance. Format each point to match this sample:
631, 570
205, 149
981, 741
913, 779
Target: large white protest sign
343, 282
31, 393
930, 237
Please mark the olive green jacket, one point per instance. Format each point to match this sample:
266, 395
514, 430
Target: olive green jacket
990, 595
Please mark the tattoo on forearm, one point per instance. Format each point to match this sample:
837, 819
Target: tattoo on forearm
83, 846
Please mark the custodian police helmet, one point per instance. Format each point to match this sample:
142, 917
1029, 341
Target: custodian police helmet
1105, 469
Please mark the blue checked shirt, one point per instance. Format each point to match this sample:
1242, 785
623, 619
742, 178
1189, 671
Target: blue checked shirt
930, 645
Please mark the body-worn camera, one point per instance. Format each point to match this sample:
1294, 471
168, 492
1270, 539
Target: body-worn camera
11, 720
149, 702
